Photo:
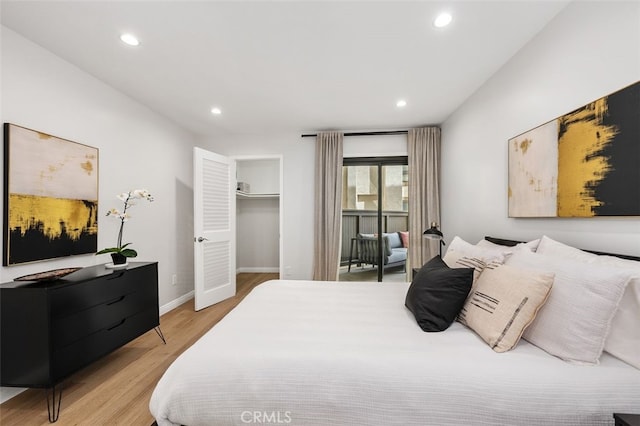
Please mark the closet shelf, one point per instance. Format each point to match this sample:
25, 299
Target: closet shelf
240, 194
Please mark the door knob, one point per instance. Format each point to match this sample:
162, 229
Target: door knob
201, 239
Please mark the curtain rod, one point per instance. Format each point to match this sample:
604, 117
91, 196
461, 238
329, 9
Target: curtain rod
383, 132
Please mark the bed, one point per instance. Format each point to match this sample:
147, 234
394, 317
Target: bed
351, 353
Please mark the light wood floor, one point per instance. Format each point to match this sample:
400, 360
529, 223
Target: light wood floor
116, 389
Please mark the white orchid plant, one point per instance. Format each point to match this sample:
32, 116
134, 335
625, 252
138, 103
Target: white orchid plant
129, 199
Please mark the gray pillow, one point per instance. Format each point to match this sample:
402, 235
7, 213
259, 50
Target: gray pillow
394, 239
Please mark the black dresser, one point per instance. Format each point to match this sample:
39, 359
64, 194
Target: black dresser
49, 330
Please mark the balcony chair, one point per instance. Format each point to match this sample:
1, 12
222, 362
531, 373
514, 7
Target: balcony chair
394, 253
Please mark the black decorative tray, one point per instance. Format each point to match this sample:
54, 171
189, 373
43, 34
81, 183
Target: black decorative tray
54, 274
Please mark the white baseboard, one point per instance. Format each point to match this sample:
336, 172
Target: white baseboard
184, 298
8, 393
259, 269
176, 302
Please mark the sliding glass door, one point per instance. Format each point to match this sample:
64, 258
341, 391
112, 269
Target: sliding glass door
374, 218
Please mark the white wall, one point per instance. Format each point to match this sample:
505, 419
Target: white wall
262, 175
258, 235
375, 146
589, 50
137, 149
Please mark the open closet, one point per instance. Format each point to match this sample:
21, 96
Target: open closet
259, 214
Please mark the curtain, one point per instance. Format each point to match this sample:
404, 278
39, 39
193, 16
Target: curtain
424, 192
328, 206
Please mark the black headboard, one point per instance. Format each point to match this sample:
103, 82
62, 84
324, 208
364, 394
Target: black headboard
511, 243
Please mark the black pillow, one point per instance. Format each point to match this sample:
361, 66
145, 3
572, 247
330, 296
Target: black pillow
437, 294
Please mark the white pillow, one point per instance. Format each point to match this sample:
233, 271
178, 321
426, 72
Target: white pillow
486, 254
532, 245
623, 340
557, 249
575, 321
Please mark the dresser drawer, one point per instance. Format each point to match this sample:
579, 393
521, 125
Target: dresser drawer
66, 330
82, 352
74, 298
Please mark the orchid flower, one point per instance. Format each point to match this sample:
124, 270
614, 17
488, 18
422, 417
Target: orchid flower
128, 199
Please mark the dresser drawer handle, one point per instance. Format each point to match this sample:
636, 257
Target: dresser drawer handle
117, 325
114, 301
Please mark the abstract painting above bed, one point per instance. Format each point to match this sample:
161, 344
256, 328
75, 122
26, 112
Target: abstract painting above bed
585, 163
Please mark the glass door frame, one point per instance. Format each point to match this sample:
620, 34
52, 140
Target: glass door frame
379, 162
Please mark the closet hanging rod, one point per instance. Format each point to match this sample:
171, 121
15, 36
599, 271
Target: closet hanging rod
382, 132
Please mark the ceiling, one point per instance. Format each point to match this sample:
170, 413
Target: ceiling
294, 66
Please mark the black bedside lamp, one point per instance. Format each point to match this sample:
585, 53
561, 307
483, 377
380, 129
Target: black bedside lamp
434, 233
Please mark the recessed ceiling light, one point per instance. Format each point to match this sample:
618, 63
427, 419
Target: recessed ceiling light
442, 20
216, 111
401, 103
130, 39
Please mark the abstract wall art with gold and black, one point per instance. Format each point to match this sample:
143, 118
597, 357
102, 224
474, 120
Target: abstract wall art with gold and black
585, 163
51, 196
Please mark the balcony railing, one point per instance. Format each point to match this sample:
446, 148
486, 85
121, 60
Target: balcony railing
366, 222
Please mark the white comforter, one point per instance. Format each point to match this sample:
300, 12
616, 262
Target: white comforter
327, 353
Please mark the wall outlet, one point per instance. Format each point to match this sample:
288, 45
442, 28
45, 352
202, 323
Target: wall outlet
174, 279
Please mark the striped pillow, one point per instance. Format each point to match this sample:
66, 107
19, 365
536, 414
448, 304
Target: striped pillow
455, 259
503, 302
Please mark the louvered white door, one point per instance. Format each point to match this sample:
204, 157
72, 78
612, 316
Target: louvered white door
214, 190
